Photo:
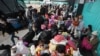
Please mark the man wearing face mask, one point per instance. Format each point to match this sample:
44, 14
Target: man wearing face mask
94, 41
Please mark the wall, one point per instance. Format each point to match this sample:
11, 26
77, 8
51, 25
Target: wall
91, 15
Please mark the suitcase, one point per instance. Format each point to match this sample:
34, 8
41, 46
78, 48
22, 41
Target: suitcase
29, 36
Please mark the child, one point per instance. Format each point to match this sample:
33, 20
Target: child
39, 48
45, 50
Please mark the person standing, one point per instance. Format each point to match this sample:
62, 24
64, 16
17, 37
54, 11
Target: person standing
29, 14
94, 41
81, 23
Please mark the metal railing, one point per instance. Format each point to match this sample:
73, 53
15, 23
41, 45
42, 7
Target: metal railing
41, 2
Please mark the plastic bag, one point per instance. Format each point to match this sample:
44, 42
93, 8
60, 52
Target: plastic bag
21, 48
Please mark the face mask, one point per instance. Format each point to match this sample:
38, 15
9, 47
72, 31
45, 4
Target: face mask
80, 20
68, 18
92, 37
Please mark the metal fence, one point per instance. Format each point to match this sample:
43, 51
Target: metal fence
41, 2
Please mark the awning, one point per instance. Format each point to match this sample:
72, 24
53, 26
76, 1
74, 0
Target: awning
11, 6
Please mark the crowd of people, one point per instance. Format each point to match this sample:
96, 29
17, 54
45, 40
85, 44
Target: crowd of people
59, 32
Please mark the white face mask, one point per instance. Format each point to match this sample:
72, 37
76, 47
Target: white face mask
92, 37
80, 19
68, 18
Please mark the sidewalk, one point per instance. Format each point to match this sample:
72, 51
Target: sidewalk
6, 39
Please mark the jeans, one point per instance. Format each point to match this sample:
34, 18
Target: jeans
12, 38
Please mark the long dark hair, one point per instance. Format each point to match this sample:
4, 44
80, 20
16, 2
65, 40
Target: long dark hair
90, 27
